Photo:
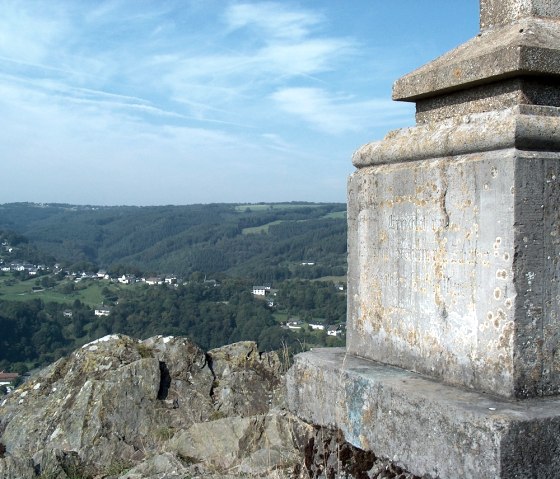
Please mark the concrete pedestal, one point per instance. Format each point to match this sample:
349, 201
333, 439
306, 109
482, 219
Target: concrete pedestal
427, 427
454, 266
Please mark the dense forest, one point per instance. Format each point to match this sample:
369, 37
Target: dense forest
265, 242
299, 248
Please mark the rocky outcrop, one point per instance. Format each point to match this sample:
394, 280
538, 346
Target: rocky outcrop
118, 402
162, 408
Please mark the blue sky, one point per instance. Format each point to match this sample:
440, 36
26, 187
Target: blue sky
197, 101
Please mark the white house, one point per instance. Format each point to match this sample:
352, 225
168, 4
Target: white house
334, 331
7, 378
127, 279
261, 290
102, 311
294, 325
317, 327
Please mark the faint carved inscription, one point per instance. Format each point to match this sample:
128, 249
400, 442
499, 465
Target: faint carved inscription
419, 261
414, 222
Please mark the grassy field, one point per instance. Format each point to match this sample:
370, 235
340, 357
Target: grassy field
273, 206
88, 291
260, 229
336, 215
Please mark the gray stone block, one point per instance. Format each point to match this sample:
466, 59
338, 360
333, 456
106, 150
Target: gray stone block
524, 127
498, 12
453, 268
423, 425
527, 48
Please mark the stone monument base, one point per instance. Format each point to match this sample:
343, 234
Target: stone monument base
429, 428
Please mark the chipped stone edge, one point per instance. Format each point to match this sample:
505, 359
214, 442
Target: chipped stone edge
528, 47
523, 127
422, 425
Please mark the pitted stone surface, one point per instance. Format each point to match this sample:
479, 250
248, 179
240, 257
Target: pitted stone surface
423, 425
499, 12
488, 98
453, 266
453, 269
527, 48
526, 127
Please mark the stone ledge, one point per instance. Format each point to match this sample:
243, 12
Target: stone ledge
500, 12
526, 127
528, 47
427, 427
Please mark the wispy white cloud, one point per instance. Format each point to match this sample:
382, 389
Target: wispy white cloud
274, 19
336, 114
183, 92
26, 35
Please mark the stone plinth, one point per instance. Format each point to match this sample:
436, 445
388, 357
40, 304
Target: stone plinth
454, 258
423, 425
452, 364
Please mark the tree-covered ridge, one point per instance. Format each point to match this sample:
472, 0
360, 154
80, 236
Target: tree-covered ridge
45, 312
260, 242
36, 332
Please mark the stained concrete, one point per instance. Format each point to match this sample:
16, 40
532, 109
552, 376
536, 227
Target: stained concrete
524, 127
453, 269
454, 266
423, 425
528, 48
499, 12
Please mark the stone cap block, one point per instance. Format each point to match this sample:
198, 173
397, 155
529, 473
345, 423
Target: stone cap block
528, 47
526, 127
500, 12
425, 426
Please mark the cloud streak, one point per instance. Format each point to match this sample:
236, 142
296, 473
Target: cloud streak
190, 100
336, 115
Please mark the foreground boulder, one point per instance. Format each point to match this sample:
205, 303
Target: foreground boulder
118, 402
162, 408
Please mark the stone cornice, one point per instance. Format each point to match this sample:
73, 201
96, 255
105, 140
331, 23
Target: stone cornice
525, 127
528, 47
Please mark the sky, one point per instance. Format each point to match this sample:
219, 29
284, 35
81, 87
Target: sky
145, 102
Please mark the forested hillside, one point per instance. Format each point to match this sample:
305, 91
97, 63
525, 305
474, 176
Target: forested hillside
51, 287
264, 242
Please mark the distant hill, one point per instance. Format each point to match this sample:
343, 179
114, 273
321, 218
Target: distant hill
262, 242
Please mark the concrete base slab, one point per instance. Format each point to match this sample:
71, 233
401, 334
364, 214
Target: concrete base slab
427, 427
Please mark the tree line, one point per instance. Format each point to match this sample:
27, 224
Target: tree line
34, 333
185, 239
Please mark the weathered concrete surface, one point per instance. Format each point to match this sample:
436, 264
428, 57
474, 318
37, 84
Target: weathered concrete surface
454, 251
527, 48
453, 269
525, 127
499, 12
423, 425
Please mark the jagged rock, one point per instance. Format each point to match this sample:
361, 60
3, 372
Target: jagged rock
117, 401
119, 408
250, 445
14, 467
329, 456
161, 466
247, 382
